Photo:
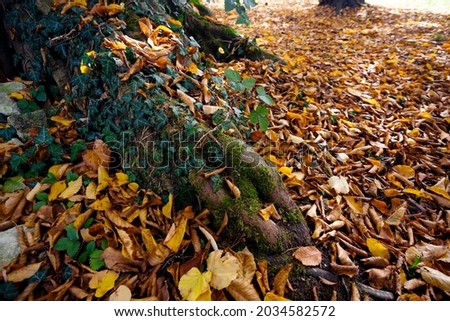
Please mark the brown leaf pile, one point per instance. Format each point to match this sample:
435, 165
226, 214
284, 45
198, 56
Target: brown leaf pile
361, 133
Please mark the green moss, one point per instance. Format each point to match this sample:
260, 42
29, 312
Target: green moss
294, 216
262, 178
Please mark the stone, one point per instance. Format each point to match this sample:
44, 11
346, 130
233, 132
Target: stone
8, 106
9, 246
28, 123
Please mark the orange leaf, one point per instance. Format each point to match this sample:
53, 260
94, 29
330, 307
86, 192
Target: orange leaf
308, 255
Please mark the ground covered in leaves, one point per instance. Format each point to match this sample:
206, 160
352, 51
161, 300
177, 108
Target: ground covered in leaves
357, 121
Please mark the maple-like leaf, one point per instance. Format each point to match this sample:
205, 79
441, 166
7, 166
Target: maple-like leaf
194, 284
224, 268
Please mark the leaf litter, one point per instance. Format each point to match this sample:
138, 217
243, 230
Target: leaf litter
349, 112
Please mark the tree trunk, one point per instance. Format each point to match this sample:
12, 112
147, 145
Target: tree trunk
139, 110
341, 4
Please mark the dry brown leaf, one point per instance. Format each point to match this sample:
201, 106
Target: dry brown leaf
308, 255
122, 293
435, 278
23, 273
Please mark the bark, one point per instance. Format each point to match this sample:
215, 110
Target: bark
341, 4
258, 182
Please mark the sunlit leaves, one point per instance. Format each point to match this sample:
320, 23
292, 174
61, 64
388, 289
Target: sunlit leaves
102, 282
195, 284
377, 248
223, 267
308, 255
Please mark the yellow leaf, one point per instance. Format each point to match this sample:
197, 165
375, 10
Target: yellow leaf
72, 189
378, 249
102, 204
286, 170
270, 296
405, 171
193, 284
174, 22
102, 282
390, 192
23, 273
440, 191
348, 123
175, 236
58, 170
164, 29
56, 189
414, 191
354, 204
194, 69
91, 193
16, 96
84, 69
371, 101
62, 120
103, 178
224, 269
134, 186
167, 209
114, 8
269, 212
413, 133
121, 178
157, 252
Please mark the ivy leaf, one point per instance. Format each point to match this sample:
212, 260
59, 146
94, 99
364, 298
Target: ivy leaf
49, 179
76, 149
258, 116
56, 152
8, 291
44, 137
16, 161
264, 96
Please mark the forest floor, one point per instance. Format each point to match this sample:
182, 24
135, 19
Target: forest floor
359, 130
378, 122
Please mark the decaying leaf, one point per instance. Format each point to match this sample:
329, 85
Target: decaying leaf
23, 273
308, 255
339, 184
224, 268
122, 293
435, 278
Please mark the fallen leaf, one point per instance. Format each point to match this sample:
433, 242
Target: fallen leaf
308, 255
72, 188
194, 283
167, 209
102, 282
122, 293
339, 184
175, 236
224, 268
377, 248
435, 278
23, 273
56, 189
